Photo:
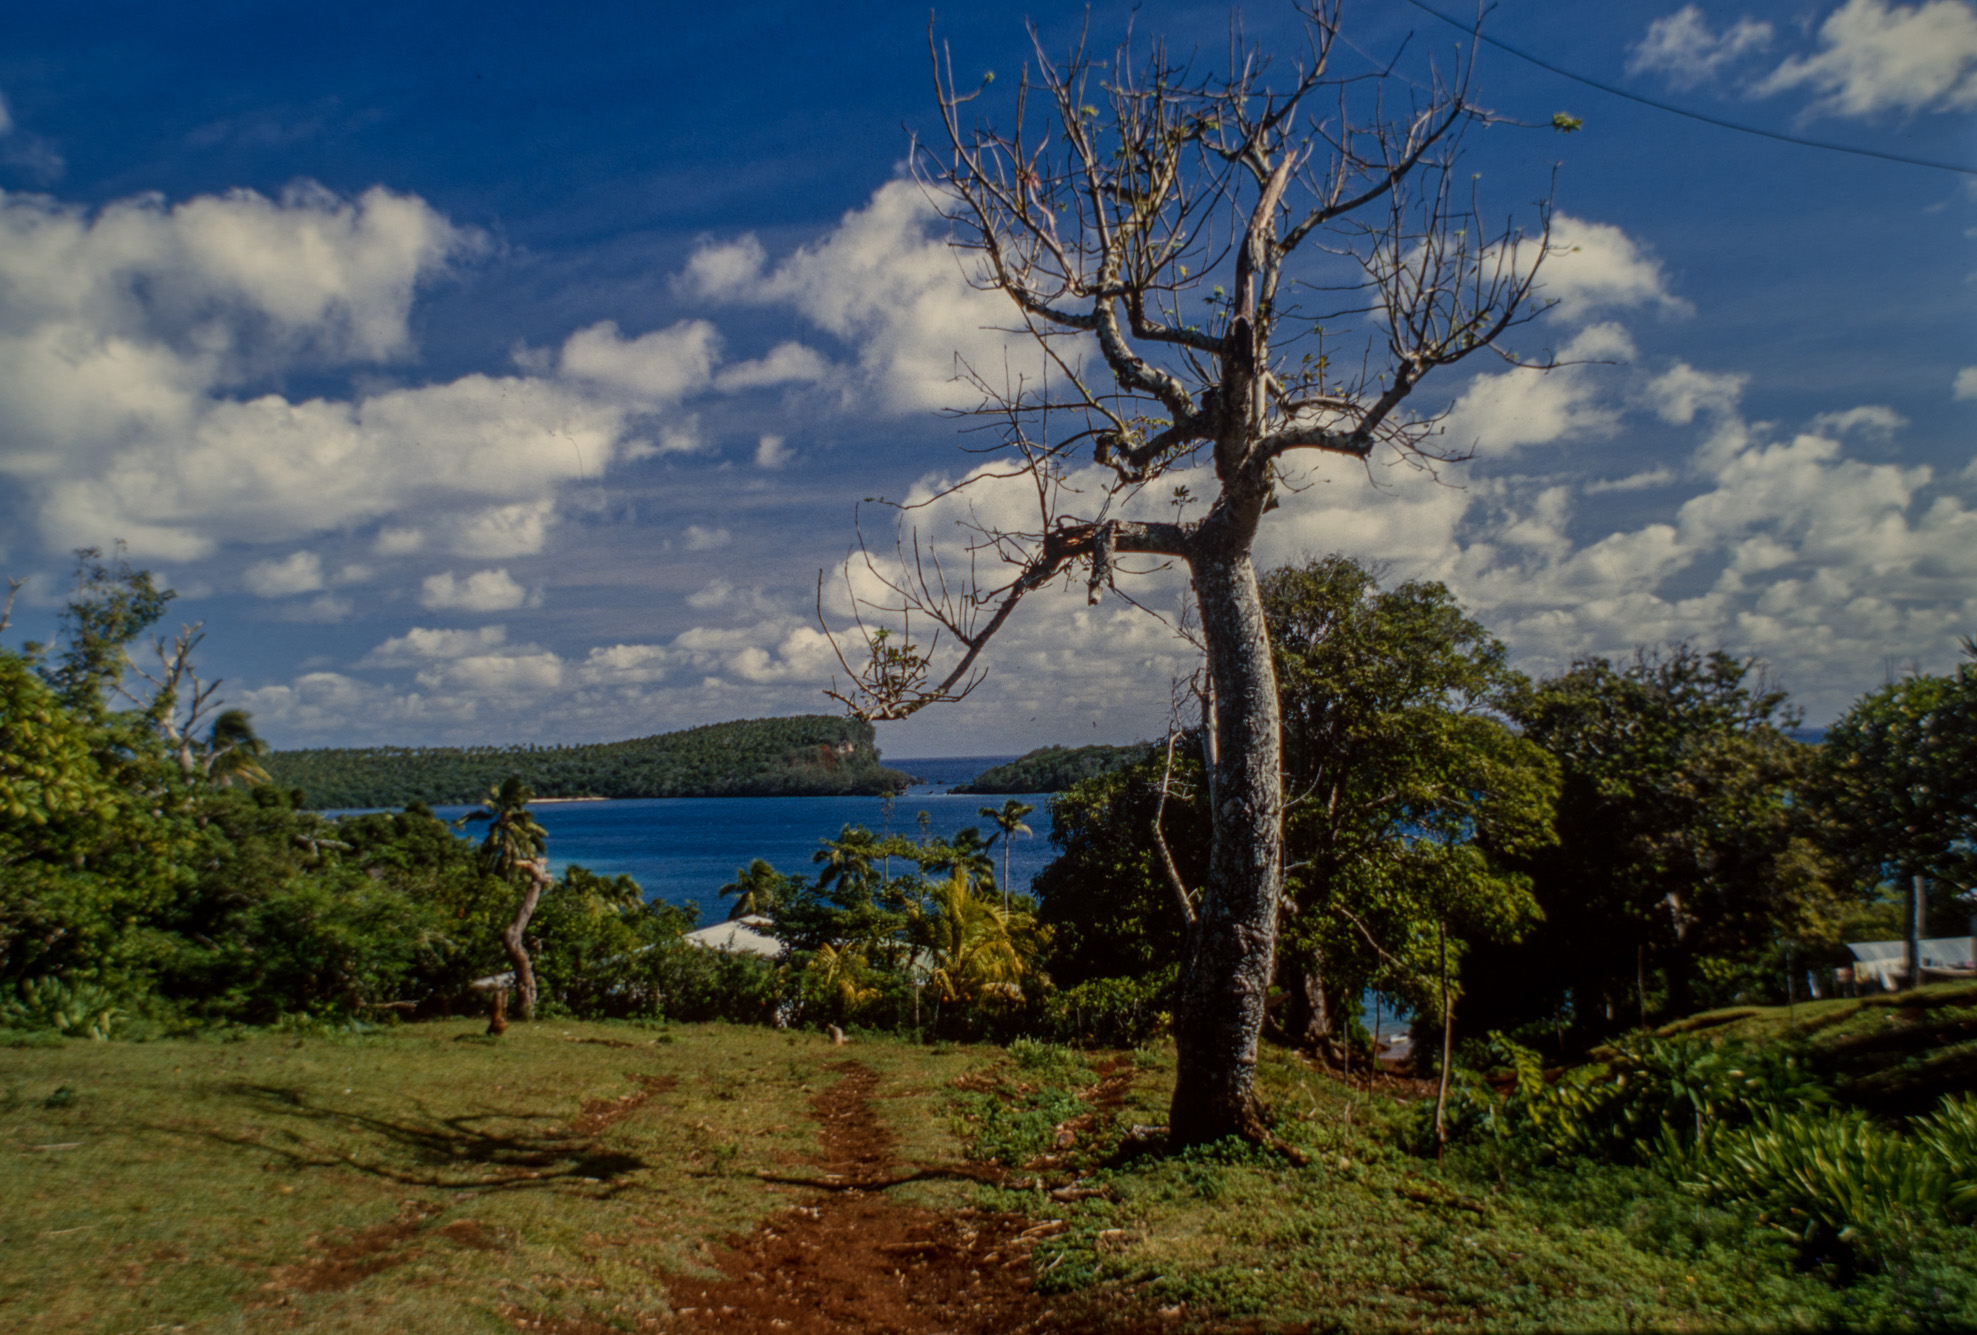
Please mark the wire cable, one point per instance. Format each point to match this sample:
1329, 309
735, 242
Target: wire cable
1717, 121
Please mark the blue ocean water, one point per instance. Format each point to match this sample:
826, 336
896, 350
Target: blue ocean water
684, 849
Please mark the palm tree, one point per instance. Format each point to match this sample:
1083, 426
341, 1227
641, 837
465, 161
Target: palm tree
837, 973
967, 849
970, 942
234, 751
848, 859
515, 850
757, 888
1009, 823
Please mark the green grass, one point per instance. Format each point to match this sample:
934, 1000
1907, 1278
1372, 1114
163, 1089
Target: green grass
427, 1178
1371, 1237
424, 1178
1893, 1053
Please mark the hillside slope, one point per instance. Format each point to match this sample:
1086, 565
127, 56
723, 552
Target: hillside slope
806, 755
1895, 1053
1052, 769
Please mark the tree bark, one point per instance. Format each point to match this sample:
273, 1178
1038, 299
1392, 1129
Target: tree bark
1307, 1021
1448, 1043
1917, 912
1231, 949
518, 952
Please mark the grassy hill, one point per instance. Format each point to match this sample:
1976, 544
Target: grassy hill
802, 756
1892, 1053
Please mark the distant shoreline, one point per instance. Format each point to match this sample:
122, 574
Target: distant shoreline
545, 801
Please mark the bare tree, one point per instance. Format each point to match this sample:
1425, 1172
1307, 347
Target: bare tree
1218, 272
180, 701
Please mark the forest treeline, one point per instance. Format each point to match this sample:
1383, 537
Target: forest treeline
809, 755
1555, 860
1052, 769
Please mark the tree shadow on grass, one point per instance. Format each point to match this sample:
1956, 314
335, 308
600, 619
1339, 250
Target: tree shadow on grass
464, 1152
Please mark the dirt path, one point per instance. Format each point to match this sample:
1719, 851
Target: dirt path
857, 1261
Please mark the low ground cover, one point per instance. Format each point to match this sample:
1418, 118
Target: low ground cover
420, 1178
1895, 1053
592, 1177
1373, 1235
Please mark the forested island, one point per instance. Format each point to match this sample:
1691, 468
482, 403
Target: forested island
1613, 903
1054, 769
807, 755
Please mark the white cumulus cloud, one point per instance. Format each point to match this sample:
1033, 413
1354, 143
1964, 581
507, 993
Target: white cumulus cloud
482, 591
786, 363
1683, 47
661, 366
1877, 57
1590, 266
139, 341
771, 452
1497, 414
299, 572
886, 282
420, 645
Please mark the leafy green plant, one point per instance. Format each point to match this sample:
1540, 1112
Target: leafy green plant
79, 1009
1650, 1093
1114, 1012
1012, 1134
1838, 1183
1950, 1134
1050, 1063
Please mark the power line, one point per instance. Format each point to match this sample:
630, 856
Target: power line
1717, 121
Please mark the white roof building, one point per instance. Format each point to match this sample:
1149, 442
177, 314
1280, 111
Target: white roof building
1886, 962
742, 936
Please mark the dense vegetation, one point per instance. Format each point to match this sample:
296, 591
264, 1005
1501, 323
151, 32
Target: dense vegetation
155, 877
1052, 769
1538, 872
805, 756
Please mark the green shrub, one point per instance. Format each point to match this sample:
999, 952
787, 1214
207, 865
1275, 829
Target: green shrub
1013, 1134
1950, 1134
81, 1009
1110, 1012
1649, 1091
679, 981
1838, 1183
1050, 1063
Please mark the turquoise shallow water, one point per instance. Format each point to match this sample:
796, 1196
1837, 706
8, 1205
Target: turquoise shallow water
683, 850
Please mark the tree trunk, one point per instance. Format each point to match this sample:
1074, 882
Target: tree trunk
1448, 1043
1918, 912
1307, 1021
511, 937
1231, 949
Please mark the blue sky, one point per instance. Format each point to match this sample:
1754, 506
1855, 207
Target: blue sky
508, 372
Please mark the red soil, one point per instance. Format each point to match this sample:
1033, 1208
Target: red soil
856, 1261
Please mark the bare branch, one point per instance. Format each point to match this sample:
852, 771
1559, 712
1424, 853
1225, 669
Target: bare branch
180, 702
14, 587
1182, 899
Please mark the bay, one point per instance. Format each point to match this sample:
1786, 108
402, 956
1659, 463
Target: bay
684, 849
